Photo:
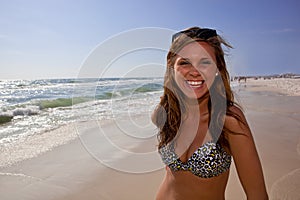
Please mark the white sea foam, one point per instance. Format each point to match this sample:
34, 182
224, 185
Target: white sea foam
32, 146
20, 175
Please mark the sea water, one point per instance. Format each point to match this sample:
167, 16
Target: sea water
29, 108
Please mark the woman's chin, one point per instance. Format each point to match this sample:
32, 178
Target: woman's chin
196, 98
192, 94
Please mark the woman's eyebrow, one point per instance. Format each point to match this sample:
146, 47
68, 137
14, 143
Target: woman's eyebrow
206, 58
184, 59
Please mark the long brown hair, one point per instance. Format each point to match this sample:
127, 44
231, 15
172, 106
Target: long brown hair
170, 111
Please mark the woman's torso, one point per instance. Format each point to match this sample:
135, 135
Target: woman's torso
182, 185
186, 176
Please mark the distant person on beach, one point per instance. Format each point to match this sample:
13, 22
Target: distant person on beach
201, 127
242, 78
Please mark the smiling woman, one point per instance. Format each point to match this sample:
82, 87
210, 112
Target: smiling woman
200, 125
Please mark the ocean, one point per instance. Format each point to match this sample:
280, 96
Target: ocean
30, 108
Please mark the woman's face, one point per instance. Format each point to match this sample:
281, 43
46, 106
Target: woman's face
195, 69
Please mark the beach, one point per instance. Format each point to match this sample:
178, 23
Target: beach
272, 108
117, 158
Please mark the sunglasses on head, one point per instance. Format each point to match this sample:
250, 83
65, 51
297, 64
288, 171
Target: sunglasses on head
203, 33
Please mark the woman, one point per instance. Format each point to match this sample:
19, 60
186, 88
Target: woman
200, 125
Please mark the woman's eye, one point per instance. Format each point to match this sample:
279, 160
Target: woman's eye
183, 63
206, 62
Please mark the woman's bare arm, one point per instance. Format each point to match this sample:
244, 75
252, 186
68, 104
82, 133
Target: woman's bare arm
246, 158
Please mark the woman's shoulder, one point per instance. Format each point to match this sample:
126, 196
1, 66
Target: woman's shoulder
236, 109
239, 134
235, 120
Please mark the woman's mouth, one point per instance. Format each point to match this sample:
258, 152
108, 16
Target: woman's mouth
195, 84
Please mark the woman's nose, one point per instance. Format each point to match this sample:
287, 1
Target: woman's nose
194, 71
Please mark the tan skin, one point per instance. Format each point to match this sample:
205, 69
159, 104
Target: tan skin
195, 63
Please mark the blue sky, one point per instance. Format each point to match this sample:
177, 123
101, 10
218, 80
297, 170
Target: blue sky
52, 38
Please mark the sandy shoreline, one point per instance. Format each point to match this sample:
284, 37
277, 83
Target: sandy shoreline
71, 172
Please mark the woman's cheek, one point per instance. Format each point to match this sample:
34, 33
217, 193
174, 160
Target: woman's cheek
209, 75
178, 76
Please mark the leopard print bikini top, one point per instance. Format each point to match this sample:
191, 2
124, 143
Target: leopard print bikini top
207, 161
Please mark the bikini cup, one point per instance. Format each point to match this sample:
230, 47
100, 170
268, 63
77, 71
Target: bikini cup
209, 160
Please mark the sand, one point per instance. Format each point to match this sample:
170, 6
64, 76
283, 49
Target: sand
274, 117
74, 170
286, 86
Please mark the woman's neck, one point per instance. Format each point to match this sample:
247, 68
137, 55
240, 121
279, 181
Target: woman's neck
194, 107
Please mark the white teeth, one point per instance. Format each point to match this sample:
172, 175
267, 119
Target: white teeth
195, 83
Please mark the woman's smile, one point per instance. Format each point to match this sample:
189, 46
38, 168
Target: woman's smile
194, 88
195, 85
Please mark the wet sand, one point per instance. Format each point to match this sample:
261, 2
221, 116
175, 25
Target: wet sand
80, 169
